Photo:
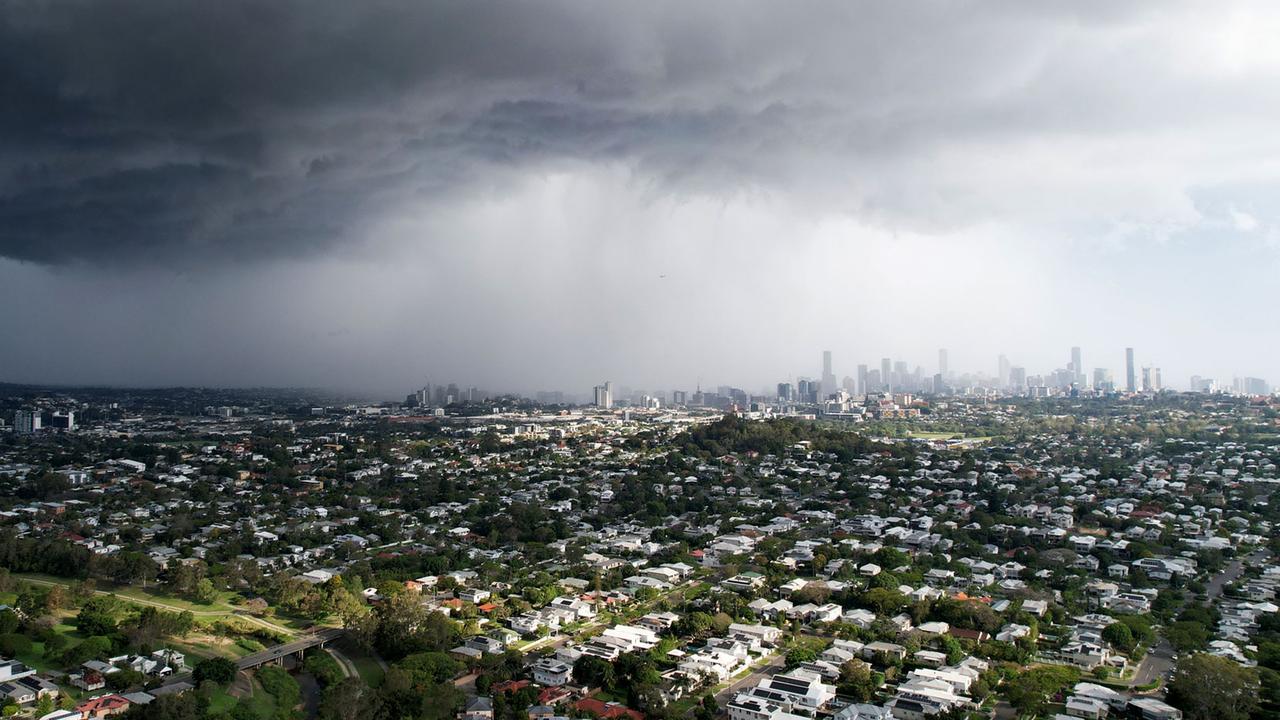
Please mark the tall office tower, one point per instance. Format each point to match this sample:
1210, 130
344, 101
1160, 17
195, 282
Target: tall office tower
1017, 379
886, 375
1002, 366
1102, 380
939, 385
1077, 367
604, 395
1151, 379
874, 383
828, 377
679, 397
1130, 379
784, 392
942, 363
901, 381
26, 421
862, 380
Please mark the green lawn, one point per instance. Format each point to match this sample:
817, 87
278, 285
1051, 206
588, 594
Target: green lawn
153, 594
368, 668
262, 704
220, 701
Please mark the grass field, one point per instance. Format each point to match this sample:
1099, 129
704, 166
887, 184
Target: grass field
221, 607
220, 702
261, 702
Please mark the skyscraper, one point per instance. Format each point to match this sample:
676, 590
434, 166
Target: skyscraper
942, 363
828, 377
604, 395
1077, 366
26, 421
1002, 368
862, 380
1130, 379
901, 381
886, 375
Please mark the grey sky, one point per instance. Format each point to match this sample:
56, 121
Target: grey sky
546, 195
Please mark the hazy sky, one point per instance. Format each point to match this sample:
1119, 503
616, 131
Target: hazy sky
522, 195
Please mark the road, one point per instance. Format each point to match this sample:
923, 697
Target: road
776, 663
1155, 664
1159, 661
292, 647
1232, 572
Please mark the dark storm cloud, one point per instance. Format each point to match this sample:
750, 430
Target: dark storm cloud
148, 129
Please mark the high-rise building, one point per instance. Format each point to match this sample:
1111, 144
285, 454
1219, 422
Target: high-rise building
63, 420
886, 375
26, 421
901, 381
1130, 379
679, 397
1102, 380
604, 395
942, 363
1002, 370
1017, 379
785, 392
862, 380
874, 383
1151, 379
828, 376
1077, 367
1255, 386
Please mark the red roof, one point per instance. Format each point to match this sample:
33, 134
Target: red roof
103, 704
609, 711
509, 686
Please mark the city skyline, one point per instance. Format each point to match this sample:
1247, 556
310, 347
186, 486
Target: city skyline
659, 193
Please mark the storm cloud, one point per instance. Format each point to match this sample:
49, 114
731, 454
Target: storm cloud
138, 129
548, 160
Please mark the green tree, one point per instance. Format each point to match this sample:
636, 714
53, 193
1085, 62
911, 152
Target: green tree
593, 671
430, 668
856, 681
1119, 635
97, 616
1208, 687
218, 670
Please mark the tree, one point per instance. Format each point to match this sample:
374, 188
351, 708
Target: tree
281, 685
856, 681
1119, 635
97, 616
706, 709
593, 671
204, 592
182, 706
218, 670
1234, 694
1030, 691
344, 701
1188, 635
430, 668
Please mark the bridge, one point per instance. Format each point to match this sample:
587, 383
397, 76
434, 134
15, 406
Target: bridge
276, 654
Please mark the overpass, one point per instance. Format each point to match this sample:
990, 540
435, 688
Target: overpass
276, 654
